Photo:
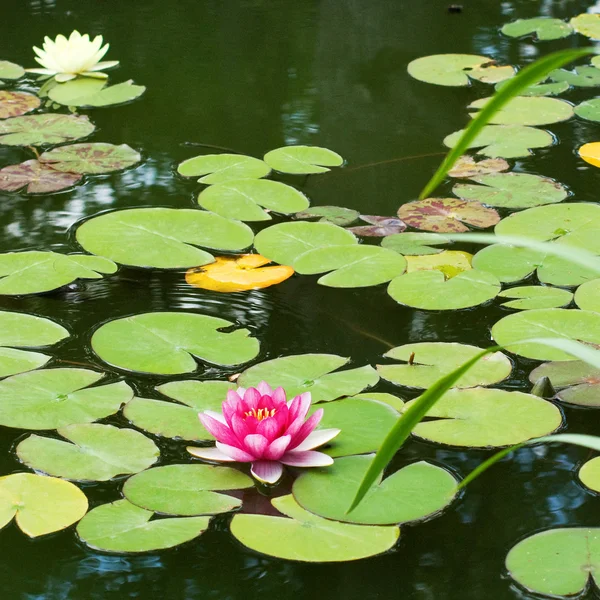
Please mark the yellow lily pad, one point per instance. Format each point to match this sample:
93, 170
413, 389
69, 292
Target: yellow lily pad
449, 262
590, 153
238, 274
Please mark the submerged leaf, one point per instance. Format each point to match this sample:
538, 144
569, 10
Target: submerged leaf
36, 178
302, 160
94, 158
42, 129
14, 104
221, 168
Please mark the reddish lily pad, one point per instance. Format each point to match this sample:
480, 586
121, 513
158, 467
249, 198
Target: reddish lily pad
36, 178
466, 167
447, 215
47, 128
380, 226
94, 158
14, 104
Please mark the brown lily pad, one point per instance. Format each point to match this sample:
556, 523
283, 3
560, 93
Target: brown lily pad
36, 178
466, 167
447, 215
97, 157
15, 104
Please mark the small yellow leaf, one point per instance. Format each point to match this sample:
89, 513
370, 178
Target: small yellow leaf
591, 153
237, 274
449, 262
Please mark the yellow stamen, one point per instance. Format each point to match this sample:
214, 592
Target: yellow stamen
261, 414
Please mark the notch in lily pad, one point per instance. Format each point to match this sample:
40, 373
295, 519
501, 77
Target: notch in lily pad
92, 92
541, 28
303, 160
222, 168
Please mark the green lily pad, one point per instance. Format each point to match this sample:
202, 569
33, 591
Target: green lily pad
506, 141
122, 527
447, 215
338, 215
577, 382
15, 104
287, 242
553, 88
168, 343
430, 290
53, 398
364, 424
587, 24
414, 244
587, 295
18, 330
40, 505
580, 325
466, 167
94, 159
487, 418
242, 199
10, 70
311, 373
221, 168
396, 402
162, 238
512, 190
529, 297
186, 490
590, 109
36, 178
541, 28
35, 272
179, 421
589, 474
449, 262
42, 129
306, 537
302, 160
88, 91
433, 360
351, 265
528, 110
585, 76
557, 562
415, 492
97, 452
457, 69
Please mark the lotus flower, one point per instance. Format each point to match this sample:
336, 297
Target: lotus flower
66, 58
259, 426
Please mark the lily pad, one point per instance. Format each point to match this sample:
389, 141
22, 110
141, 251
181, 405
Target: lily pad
287, 242
168, 343
589, 110
303, 160
457, 69
238, 274
466, 166
577, 382
415, 244
309, 538
88, 91
541, 28
93, 159
123, 527
506, 141
15, 104
587, 295
18, 330
338, 215
36, 178
311, 373
590, 153
40, 505
10, 70
585, 76
244, 199
589, 474
530, 297
97, 452
351, 265
529, 110
553, 88
161, 238
449, 262
221, 168
42, 129
433, 360
396, 402
557, 562
186, 490
487, 418
587, 24
512, 190
430, 290
413, 493
580, 325
35, 272
53, 398
447, 215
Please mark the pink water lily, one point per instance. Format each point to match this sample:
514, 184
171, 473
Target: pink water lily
259, 426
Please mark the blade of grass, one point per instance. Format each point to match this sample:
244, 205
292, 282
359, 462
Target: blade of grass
530, 75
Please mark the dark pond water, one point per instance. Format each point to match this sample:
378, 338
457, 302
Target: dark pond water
252, 75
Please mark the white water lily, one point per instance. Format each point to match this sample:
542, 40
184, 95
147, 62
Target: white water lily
65, 58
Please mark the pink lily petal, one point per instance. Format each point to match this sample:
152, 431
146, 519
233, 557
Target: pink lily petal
267, 471
308, 458
242, 427
279, 396
264, 388
256, 444
269, 427
299, 406
210, 453
217, 429
316, 439
308, 427
277, 448
294, 427
237, 454
216, 415
251, 399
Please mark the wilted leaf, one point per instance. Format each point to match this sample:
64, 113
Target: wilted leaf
38, 130
14, 104
94, 158
36, 177
302, 160
466, 167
